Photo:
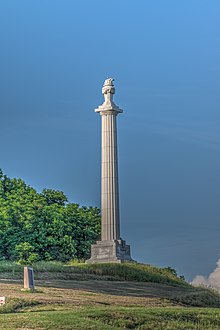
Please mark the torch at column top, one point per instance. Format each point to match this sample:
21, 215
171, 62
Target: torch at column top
108, 90
108, 86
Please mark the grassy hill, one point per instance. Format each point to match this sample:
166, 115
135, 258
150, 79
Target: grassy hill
75, 270
105, 296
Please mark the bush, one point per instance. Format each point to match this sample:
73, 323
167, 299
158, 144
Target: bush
25, 253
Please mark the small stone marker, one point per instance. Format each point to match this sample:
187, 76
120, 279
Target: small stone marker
28, 278
2, 300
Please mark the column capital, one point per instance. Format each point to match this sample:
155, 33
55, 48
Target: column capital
108, 106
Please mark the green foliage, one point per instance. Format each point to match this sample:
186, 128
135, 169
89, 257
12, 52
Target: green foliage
134, 272
120, 272
10, 267
201, 297
157, 318
113, 317
25, 253
15, 304
54, 197
171, 270
43, 226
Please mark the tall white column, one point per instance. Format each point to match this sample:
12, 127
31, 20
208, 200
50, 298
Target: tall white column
110, 195
109, 190
111, 248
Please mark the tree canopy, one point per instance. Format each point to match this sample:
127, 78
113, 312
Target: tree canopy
43, 226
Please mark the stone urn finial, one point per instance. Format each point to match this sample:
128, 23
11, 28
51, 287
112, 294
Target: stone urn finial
108, 91
108, 88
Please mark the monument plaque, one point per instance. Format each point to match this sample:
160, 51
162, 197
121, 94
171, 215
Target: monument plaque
111, 248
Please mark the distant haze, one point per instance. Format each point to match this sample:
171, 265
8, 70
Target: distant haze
164, 56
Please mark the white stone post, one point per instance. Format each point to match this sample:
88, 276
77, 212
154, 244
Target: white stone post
28, 278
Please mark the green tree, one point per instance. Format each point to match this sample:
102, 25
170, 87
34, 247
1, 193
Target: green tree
54, 197
25, 253
43, 226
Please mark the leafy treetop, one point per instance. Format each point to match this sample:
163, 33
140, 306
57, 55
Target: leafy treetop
43, 226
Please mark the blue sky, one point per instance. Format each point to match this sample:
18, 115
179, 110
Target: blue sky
164, 56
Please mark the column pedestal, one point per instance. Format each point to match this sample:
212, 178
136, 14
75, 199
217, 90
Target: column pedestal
115, 251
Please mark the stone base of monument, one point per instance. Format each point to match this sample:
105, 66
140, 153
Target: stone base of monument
115, 251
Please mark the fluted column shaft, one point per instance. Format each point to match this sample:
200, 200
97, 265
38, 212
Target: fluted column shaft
110, 192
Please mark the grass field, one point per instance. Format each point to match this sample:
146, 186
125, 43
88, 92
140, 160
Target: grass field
129, 272
114, 318
102, 301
